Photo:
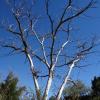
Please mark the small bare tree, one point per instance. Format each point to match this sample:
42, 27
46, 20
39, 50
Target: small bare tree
53, 48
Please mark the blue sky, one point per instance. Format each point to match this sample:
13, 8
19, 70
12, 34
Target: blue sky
86, 26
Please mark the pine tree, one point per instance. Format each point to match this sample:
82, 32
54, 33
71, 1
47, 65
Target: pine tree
96, 86
9, 89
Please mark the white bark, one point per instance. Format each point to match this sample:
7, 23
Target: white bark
59, 52
50, 76
43, 49
45, 96
66, 80
34, 77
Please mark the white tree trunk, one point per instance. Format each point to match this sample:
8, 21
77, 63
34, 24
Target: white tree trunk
45, 96
37, 89
64, 82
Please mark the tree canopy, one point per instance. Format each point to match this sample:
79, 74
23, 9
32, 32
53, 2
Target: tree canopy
9, 89
96, 86
76, 90
81, 92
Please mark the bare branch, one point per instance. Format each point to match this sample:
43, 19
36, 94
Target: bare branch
49, 16
15, 48
80, 12
42, 76
70, 80
13, 32
64, 12
50, 52
62, 47
66, 78
41, 59
43, 49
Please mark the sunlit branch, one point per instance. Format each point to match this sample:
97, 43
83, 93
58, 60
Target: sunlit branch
66, 79
62, 47
71, 65
42, 45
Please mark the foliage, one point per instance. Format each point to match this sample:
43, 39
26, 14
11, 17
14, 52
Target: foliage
52, 98
96, 98
76, 90
29, 95
9, 89
81, 92
96, 86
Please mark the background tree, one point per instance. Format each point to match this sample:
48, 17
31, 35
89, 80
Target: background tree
53, 47
96, 86
52, 98
76, 90
9, 89
28, 95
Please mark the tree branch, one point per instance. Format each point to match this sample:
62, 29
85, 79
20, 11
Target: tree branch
49, 16
66, 79
43, 49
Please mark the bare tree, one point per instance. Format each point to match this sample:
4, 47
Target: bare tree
52, 47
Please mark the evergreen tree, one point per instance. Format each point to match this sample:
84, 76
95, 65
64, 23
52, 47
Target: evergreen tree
75, 91
96, 86
52, 98
9, 89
